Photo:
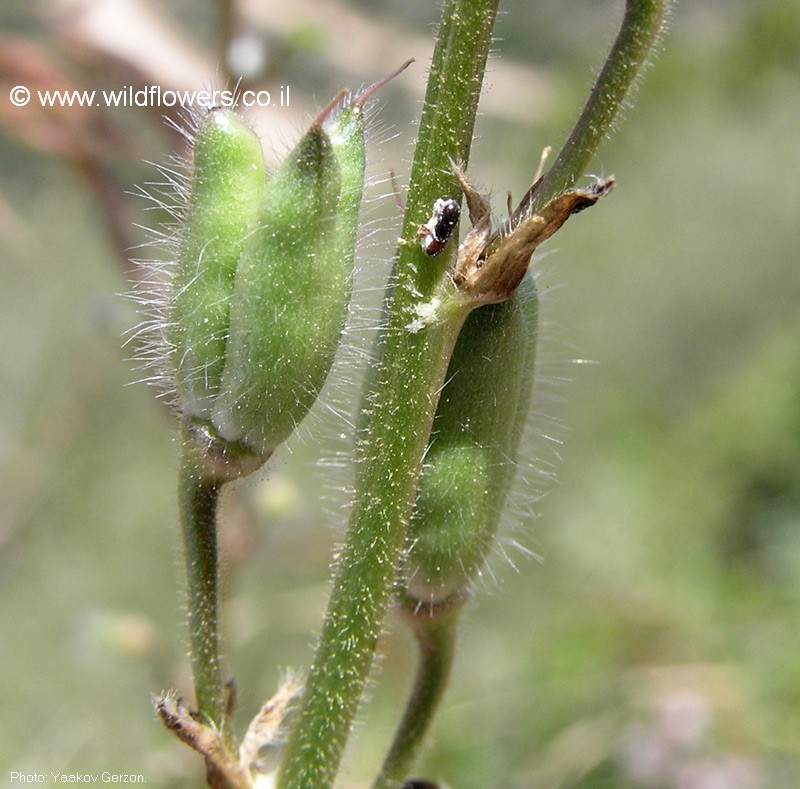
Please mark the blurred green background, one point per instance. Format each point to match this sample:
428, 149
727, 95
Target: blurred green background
657, 643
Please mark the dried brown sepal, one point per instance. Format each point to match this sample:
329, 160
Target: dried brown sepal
480, 215
491, 265
222, 767
267, 726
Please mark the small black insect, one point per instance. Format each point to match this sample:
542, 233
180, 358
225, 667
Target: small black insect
435, 232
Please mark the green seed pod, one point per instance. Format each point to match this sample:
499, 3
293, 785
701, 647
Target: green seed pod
346, 131
264, 274
294, 280
289, 301
224, 194
346, 128
470, 461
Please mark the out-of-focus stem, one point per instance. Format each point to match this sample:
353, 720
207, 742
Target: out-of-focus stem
197, 499
641, 25
435, 631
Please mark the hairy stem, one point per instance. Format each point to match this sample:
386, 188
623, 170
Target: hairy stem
403, 401
197, 499
366, 570
410, 373
641, 25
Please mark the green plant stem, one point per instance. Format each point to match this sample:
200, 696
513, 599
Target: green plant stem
403, 401
366, 570
197, 500
436, 637
641, 25
446, 129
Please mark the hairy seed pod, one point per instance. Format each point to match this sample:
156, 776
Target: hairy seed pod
263, 283
289, 301
470, 461
346, 128
346, 131
225, 190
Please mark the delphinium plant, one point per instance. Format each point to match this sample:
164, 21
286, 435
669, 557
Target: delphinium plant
245, 324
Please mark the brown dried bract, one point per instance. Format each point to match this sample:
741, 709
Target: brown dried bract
491, 265
267, 726
223, 770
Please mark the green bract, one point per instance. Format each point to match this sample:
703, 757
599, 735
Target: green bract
264, 276
470, 460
